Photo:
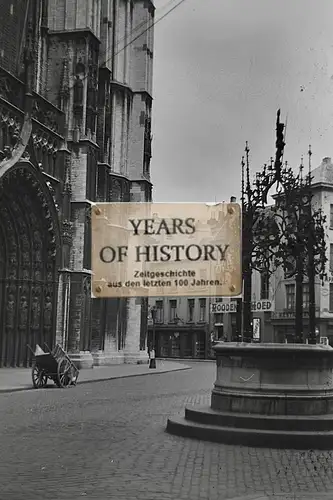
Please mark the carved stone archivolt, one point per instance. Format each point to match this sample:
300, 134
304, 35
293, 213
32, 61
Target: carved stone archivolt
45, 148
119, 189
29, 248
45, 142
87, 286
67, 232
10, 128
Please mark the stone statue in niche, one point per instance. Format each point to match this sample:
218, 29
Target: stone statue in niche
78, 92
38, 275
148, 138
47, 312
35, 312
10, 311
23, 318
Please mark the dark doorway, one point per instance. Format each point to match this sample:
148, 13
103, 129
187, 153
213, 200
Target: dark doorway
190, 344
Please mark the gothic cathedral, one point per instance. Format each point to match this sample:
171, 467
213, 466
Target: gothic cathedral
75, 128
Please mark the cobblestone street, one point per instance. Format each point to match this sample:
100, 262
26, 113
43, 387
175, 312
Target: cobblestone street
107, 440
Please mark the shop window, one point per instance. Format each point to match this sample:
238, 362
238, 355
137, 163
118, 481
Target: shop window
190, 310
159, 318
202, 310
175, 345
306, 296
200, 346
164, 345
290, 297
187, 345
218, 318
172, 310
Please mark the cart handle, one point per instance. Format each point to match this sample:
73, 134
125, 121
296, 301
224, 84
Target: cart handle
47, 347
33, 352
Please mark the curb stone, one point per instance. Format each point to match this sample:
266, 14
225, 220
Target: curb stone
188, 360
102, 379
298, 495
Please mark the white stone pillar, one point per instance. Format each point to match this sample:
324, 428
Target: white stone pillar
132, 352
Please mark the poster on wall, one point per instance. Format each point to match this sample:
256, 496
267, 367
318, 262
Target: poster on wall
256, 329
166, 249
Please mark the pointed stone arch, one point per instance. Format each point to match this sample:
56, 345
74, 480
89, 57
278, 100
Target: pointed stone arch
30, 257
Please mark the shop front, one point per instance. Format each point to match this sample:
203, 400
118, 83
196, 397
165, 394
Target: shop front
180, 343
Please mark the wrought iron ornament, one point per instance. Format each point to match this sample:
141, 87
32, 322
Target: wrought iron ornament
289, 234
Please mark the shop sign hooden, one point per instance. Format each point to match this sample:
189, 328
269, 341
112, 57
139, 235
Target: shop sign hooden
231, 307
166, 249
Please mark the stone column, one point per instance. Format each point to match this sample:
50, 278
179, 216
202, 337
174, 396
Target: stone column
83, 359
63, 308
132, 352
111, 342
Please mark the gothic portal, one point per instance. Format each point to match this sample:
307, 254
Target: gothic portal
29, 260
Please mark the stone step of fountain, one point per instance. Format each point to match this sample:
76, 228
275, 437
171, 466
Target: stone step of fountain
301, 440
303, 423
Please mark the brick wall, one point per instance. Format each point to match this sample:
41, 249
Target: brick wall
135, 155
74, 14
79, 174
79, 224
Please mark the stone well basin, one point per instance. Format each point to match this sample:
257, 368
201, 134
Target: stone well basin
273, 379
269, 395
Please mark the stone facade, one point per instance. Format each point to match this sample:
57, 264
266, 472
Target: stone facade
75, 102
182, 327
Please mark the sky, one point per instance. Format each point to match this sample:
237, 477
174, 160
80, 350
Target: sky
222, 68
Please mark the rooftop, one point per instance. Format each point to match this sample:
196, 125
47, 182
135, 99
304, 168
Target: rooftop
324, 173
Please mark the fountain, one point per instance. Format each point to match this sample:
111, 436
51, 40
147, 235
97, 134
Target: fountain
266, 395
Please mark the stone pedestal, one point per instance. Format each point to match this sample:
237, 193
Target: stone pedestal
278, 395
136, 357
105, 358
82, 359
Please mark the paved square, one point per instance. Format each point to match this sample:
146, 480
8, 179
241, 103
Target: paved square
107, 440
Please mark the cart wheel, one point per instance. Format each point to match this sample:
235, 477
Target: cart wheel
39, 378
64, 373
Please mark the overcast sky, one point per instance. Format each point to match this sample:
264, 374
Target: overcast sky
222, 68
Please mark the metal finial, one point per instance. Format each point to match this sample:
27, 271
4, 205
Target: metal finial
248, 184
309, 156
243, 186
301, 167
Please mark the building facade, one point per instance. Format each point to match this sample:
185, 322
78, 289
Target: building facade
182, 327
282, 319
75, 129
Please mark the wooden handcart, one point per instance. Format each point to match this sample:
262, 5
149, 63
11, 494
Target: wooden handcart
55, 365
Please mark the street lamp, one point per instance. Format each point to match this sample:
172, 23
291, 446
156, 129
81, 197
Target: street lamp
152, 358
